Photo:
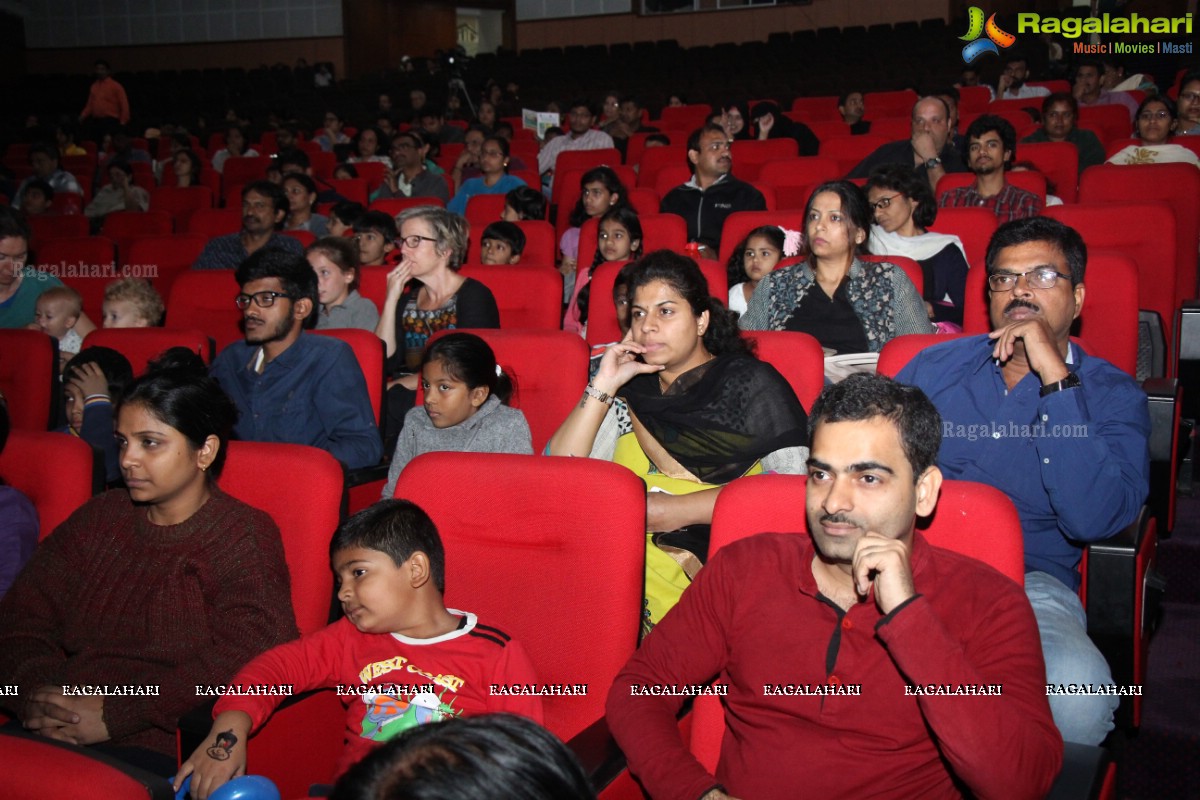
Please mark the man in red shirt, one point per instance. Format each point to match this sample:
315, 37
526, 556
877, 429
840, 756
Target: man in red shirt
859, 660
107, 106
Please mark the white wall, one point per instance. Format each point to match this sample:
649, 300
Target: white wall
99, 23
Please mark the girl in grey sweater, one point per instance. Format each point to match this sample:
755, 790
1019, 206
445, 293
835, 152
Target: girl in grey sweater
465, 406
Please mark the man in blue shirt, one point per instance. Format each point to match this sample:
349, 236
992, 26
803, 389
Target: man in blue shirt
1063, 434
289, 386
264, 206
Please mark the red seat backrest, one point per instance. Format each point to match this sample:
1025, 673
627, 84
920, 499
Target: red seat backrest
1144, 231
900, 350
353, 189
245, 169
483, 210
1176, 184
29, 377
1059, 162
749, 155
527, 295
203, 300
162, 258
799, 171
502, 517
847, 151
798, 357
817, 108
973, 226
545, 396
34, 766
1114, 120
684, 118
212, 222
655, 158
141, 345
264, 475
44, 227
56, 471
890, 104
369, 353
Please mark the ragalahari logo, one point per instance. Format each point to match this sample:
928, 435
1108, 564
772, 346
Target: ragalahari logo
996, 38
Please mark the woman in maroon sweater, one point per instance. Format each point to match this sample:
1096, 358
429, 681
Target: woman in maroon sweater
146, 592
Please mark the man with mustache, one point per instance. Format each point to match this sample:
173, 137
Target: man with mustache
821, 640
1064, 434
991, 148
713, 193
290, 386
264, 207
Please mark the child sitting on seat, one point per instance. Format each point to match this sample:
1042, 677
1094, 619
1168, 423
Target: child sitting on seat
399, 658
376, 234
57, 312
466, 406
502, 243
132, 303
619, 239
335, 261
93, 383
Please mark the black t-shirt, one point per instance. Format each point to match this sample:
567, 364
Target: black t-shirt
831, 320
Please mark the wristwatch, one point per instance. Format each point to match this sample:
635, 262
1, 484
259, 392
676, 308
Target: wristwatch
1070, 382
933, 162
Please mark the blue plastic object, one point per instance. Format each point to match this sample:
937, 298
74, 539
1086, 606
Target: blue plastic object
247, 787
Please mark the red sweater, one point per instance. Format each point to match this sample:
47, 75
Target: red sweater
754, 616
107, 98
388, 682
111, 599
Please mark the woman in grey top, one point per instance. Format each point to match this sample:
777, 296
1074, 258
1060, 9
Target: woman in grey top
849, 305
465, 410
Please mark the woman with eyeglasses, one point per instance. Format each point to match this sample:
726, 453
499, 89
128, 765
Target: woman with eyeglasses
493, 163
904, 209
1189, 105
849, 305
425, 294
1154, 124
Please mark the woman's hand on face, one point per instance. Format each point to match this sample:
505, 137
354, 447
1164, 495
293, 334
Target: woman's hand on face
397, 279
619, 364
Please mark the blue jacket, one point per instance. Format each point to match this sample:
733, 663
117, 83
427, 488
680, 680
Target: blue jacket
314, 393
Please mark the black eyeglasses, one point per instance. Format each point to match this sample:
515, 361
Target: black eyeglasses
261, 299
883, 202
1040, 278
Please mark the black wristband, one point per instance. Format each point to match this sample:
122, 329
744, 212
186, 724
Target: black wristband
1070, 382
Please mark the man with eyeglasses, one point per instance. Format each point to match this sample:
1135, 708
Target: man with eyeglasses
1060, 111
1189, 104
409, 176
264, 207
1063, 433
290, 386
991, 148
713, 193
580, 135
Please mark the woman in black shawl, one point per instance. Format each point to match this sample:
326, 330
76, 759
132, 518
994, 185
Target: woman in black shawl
683, 402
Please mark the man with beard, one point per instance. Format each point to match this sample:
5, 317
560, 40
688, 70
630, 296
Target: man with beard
1011, 85
713, 193
290, 386
821, 638
991, 148
264, 207
1064, 435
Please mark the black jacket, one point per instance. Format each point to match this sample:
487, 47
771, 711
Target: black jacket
705, 211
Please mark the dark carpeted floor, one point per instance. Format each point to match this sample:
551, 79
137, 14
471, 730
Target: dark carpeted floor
1162, 760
